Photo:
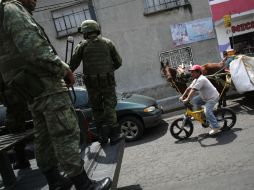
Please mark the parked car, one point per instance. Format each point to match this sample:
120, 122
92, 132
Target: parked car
135, 112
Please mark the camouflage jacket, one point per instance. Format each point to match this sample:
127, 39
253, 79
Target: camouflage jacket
99, 56
24, 45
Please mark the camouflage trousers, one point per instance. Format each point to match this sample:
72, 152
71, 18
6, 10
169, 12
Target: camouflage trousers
103, 102
57, 134
15, 117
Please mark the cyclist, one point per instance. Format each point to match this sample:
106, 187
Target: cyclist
207, 96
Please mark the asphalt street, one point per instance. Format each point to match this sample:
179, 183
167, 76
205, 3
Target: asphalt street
160, 162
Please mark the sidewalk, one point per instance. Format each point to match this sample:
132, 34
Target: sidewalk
170, 104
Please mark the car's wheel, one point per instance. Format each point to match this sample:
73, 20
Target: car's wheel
132, 128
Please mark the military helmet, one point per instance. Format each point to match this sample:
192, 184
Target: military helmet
88, 26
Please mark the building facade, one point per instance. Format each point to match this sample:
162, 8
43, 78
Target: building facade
146, 32
236, 32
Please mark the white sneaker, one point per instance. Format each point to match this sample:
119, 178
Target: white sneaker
214, 131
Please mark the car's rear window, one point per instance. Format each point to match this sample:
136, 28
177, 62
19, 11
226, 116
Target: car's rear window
81, 99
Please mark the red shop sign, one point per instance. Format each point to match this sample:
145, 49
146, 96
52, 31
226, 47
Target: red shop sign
243, 27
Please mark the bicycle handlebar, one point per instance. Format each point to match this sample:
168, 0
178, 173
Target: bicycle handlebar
187, 104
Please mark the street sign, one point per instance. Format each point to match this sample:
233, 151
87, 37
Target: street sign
227, 21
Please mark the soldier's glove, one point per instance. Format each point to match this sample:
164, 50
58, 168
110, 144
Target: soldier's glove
69, 78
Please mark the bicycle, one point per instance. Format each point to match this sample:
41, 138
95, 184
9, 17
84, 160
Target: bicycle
182, 128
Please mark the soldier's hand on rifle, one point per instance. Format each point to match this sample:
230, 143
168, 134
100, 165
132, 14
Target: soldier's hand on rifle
69, 78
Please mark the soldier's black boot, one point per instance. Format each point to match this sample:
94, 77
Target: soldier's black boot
103, 134
21, 165
21, 161
82, 182
116, 135
56, 181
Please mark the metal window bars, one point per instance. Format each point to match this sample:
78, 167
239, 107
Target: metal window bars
152, 6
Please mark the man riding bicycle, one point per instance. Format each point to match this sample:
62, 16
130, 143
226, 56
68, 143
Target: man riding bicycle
208, 96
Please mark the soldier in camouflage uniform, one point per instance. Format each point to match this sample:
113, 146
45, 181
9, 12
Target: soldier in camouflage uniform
100, 60
31, 68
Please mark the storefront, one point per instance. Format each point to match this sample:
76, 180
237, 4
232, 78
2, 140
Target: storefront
240, 36
243, 43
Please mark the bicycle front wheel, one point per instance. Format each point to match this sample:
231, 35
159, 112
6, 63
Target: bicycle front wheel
181, 128
226, 118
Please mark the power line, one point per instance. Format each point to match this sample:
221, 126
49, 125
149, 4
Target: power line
58, 4
116, 4
48, 7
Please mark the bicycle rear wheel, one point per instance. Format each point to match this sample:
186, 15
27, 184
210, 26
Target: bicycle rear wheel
226, 118
181, 130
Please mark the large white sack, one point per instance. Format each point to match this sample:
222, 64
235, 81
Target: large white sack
249, 66
239, 74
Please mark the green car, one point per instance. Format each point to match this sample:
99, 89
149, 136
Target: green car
135, 112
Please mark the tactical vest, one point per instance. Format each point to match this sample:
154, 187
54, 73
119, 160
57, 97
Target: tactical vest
9, 62
96, 58
16, 72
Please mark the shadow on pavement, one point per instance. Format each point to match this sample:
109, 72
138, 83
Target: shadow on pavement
131, 187
222, 138
30, 179
244, 104
151, 134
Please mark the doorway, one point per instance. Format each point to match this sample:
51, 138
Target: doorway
243, 44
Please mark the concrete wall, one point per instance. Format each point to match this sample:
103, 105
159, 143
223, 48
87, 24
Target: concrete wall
140, 39
43, 16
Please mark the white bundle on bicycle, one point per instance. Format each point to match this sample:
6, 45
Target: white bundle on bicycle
242, 73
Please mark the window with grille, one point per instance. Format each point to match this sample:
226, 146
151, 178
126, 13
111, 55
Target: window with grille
174, 58
152, 6
67, 20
